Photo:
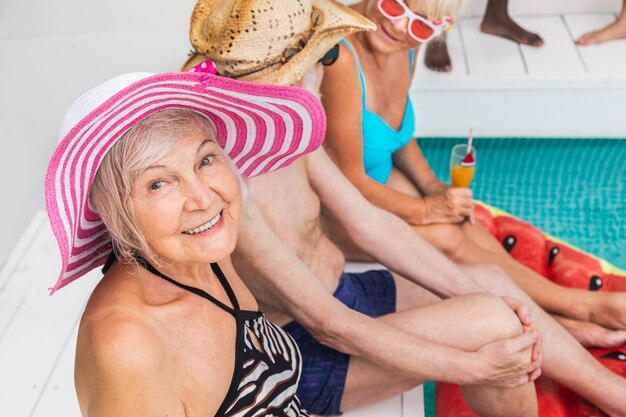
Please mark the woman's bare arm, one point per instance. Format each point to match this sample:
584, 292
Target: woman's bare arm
341, 96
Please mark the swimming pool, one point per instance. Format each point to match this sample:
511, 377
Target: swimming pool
573, 189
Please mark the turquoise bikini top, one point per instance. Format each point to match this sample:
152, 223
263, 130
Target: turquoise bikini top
380, 141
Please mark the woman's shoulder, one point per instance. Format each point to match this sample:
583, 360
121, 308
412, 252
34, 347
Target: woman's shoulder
118, 321
342, 79
124, 339
113, 325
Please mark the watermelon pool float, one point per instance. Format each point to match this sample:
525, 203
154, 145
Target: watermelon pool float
565, 265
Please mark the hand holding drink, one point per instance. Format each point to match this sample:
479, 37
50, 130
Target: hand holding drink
463, 163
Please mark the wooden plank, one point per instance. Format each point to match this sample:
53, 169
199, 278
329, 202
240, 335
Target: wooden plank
413, 402
543, 7
390, 408
605, 60
558, 58
37, 335
24, 243
27, 270
59, 396
490, 56
357, 267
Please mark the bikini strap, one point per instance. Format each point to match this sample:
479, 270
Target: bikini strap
216, 269
229, 290
359, 70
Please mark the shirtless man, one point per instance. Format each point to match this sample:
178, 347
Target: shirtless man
296, 274
296, 269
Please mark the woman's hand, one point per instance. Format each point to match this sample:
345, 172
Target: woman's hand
508, 363
454, 205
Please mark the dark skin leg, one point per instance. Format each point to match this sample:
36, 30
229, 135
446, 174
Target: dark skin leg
495, 22
498, 22
437, 57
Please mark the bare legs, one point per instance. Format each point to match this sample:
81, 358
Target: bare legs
485, 318
467, 244
437, 57
496, 21
473, 245
616, 30
588, 377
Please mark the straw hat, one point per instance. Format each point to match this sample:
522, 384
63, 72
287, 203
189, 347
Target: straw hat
267, 41
260, 127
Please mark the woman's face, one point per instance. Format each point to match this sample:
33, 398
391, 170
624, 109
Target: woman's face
187, 204
391, 35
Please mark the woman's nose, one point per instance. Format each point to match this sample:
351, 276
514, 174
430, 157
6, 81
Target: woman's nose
400, 25
199, 196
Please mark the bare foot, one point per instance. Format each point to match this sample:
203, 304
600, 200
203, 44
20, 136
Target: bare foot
616, 30
608, 309
505, 27
437, 57
592, 335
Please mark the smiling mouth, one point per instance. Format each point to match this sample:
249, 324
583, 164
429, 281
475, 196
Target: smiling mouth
204, 227
386, 32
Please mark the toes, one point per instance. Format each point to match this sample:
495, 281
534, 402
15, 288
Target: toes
586, 39
437, 58
535, 40
437, 67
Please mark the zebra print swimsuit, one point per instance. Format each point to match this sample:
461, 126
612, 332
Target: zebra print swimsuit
265, 380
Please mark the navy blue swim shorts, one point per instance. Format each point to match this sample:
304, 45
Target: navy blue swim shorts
324, 370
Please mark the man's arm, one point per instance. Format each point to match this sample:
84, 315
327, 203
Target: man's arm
282, 280
384, 236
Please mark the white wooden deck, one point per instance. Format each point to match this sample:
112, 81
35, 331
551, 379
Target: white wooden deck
504, 89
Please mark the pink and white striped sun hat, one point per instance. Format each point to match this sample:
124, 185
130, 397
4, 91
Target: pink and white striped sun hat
261, 128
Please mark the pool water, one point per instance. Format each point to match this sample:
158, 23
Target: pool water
573, 189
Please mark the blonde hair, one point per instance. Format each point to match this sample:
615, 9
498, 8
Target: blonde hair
439, 8
140, 147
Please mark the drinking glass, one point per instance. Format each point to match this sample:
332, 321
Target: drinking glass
461, 173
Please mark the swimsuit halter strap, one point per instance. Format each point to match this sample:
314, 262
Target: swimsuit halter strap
359, 70
216, 270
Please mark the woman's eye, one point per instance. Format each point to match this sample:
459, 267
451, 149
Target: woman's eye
207, 160
156, 185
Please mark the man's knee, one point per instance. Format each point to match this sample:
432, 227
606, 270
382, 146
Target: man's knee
448, 238
500, 321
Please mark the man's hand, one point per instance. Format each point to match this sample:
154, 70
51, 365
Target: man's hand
507, 363
454, 205
523, 313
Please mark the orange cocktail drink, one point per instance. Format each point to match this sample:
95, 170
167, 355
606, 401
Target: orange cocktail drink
461, 176
462, 166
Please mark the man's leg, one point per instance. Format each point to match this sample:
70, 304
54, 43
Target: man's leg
498, 22
467, 322
606, 309
437, 57
616, 30
564, 359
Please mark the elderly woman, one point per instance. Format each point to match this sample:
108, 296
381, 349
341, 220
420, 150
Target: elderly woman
370, 137
144, 169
